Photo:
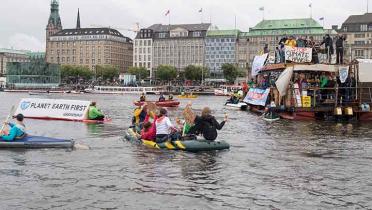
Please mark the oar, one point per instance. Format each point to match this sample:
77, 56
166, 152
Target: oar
7, 119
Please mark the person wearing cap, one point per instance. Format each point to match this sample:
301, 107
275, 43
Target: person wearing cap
94, 113
143, 97
17, 129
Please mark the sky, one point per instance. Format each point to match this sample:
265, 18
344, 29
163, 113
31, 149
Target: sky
23, 22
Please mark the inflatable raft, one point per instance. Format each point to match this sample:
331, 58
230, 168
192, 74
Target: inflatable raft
240, 105
166, 103
198, 145
187, 96
37, 142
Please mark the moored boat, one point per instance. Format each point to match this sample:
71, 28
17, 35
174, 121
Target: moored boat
197, 145
124, 90
240, 105
166, 103
37, 142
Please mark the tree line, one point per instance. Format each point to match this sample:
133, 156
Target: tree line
191, 72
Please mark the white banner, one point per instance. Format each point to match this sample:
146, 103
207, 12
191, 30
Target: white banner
282, 83
53, 109
298, 54
343, 73
258, 63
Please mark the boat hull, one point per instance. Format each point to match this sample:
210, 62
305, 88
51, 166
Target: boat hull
186, 145
167, 103
36, 142
241, 106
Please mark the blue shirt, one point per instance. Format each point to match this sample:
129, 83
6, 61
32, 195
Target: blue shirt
15, 131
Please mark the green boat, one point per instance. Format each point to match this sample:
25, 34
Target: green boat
197, 145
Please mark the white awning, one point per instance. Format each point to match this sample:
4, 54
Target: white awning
316, 68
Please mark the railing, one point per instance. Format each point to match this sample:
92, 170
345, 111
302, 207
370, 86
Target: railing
316, 97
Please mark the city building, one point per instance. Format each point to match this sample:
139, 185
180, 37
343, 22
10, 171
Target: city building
177, 45
143, 49
86, 46
358, 31
220, 48
33, 74
242, 51
271, 31
11, 55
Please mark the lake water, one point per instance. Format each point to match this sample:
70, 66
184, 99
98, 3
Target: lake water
281, 165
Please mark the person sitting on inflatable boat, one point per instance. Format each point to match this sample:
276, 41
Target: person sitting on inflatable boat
161, 97
143, 97
139, 116
17, 130
94, 113
232, 100
164, 128
207, 125
170, 97
148, 131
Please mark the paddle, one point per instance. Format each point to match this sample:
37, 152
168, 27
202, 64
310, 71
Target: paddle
7, 119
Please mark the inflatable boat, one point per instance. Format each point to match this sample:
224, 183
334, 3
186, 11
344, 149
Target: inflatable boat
198, 145
166, 103
240, 105
187, 96
37, 142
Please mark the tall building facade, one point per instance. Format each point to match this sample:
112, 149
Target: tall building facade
176, 45
86, 46
20, 56
142, 49
358, 31
220, 48
271, 31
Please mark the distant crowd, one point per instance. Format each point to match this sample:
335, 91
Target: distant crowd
330, 46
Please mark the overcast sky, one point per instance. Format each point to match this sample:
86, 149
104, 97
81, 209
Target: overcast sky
23, 22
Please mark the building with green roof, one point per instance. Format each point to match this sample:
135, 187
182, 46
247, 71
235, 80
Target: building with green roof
220, 48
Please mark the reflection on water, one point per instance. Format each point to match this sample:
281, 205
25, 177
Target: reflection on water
281, 165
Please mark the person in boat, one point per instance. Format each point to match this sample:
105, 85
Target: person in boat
161, 97
143, 97
139, 116
149, 131
94, 113
164, 128
170, 97
207, 125
17, 129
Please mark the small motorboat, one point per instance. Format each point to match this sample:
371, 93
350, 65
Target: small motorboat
240, 105
270, 117
166, 103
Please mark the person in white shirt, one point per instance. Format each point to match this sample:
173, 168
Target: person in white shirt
164, 127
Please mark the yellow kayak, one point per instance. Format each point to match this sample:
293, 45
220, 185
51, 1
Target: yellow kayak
187, 96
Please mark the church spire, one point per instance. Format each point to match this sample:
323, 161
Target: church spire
54, 21
78, 20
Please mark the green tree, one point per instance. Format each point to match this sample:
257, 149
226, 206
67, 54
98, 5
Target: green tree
107, 72
69, 72
242, 72
230, 72
166, 72
140, 72
196, 72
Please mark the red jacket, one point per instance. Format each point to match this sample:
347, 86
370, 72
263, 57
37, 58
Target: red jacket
151, 133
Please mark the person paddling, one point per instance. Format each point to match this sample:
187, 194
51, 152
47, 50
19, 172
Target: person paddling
17, 130
207, 125
94, 113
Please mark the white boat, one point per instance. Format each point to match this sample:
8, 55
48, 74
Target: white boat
226, 90
240, 105
124, 90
